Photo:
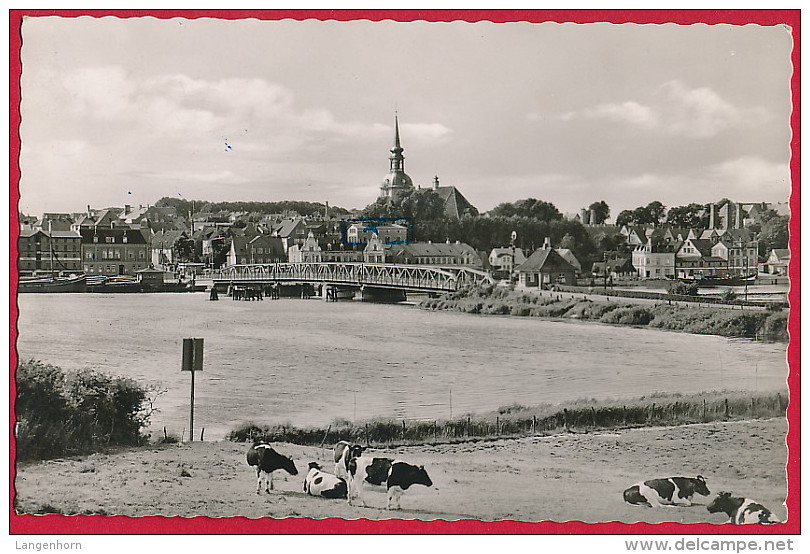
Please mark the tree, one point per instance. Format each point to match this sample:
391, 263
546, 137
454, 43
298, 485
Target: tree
528, 207
415, 205
601, 212
625, 217
687, 217
775, 234
651, 214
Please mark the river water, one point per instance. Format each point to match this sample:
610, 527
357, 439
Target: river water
308, 362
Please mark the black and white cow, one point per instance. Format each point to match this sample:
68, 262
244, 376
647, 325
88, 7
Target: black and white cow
267, 461
344, 452
385, 474
320, 483
741, 510
672, 491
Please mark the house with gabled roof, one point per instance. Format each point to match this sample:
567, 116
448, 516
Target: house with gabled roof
544, 268
778, 261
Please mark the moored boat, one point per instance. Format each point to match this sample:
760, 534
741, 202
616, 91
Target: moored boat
74, 283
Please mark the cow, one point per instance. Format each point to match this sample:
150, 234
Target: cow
344, 452
267, 461
672, 491
320, 483
385, 474
741, 510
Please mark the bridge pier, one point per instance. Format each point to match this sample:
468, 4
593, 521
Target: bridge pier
374, 294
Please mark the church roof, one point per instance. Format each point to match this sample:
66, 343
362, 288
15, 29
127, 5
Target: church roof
455, 204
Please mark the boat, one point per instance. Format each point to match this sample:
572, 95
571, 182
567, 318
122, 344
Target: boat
127, 284
722, 281
72, 283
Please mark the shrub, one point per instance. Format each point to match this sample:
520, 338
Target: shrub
61, 413
628, 315
684, 289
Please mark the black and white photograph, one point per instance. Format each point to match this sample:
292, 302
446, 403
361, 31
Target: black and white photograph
394, 268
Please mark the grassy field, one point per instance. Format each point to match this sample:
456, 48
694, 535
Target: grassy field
516, 420
700, 320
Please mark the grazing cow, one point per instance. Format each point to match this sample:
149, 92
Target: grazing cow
319, 483
267, 461
672, 491
741, 510
344, 452
384, 474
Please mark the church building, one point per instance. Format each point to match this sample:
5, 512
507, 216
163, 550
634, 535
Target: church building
397, 182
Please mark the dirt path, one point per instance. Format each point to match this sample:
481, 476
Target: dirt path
557, 478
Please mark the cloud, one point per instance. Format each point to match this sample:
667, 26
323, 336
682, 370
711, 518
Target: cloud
675, 110
424, 132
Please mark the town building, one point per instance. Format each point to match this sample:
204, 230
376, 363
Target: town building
42, 251
546, 267
437, 254
504, 259
777, 262
114, 250
361, 232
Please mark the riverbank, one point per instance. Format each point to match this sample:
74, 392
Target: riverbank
561, 477
492, 300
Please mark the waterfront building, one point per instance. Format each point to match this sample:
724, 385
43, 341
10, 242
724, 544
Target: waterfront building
42, 251
546, 267
308, 252
430, 253
261, 249
654, 260
113, 250
778, 261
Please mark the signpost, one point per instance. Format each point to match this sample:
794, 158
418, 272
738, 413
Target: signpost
192, 361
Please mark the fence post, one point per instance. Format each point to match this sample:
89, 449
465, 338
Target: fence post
403, 429
534, 424
565, 419
725, 401
704, 410
593, 415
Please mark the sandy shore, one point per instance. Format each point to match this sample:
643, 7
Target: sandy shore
556, 478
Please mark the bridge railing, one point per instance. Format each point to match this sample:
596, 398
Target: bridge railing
409, 277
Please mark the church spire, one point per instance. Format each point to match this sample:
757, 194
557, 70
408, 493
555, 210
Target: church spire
397, 180
397, 159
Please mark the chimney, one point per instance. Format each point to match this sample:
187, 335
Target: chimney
592, 219
583, 216
711, 215
326, 211
436, 182
739, 216
127, 209
547, 243
88, 210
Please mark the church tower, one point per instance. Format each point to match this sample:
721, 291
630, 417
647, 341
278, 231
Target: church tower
397, 181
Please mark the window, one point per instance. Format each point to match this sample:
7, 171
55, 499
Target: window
110, 240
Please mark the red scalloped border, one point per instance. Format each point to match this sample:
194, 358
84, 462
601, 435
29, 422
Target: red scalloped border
80, 524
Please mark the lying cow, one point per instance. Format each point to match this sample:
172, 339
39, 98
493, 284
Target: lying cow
741, 510
320, 483
384, 474
267, 461
344, 452
672, 491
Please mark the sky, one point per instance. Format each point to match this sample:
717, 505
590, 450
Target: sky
126, 111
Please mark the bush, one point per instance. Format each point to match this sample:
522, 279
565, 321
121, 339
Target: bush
61, 413
683, 289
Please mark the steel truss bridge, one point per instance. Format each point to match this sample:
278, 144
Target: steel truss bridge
413, 278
